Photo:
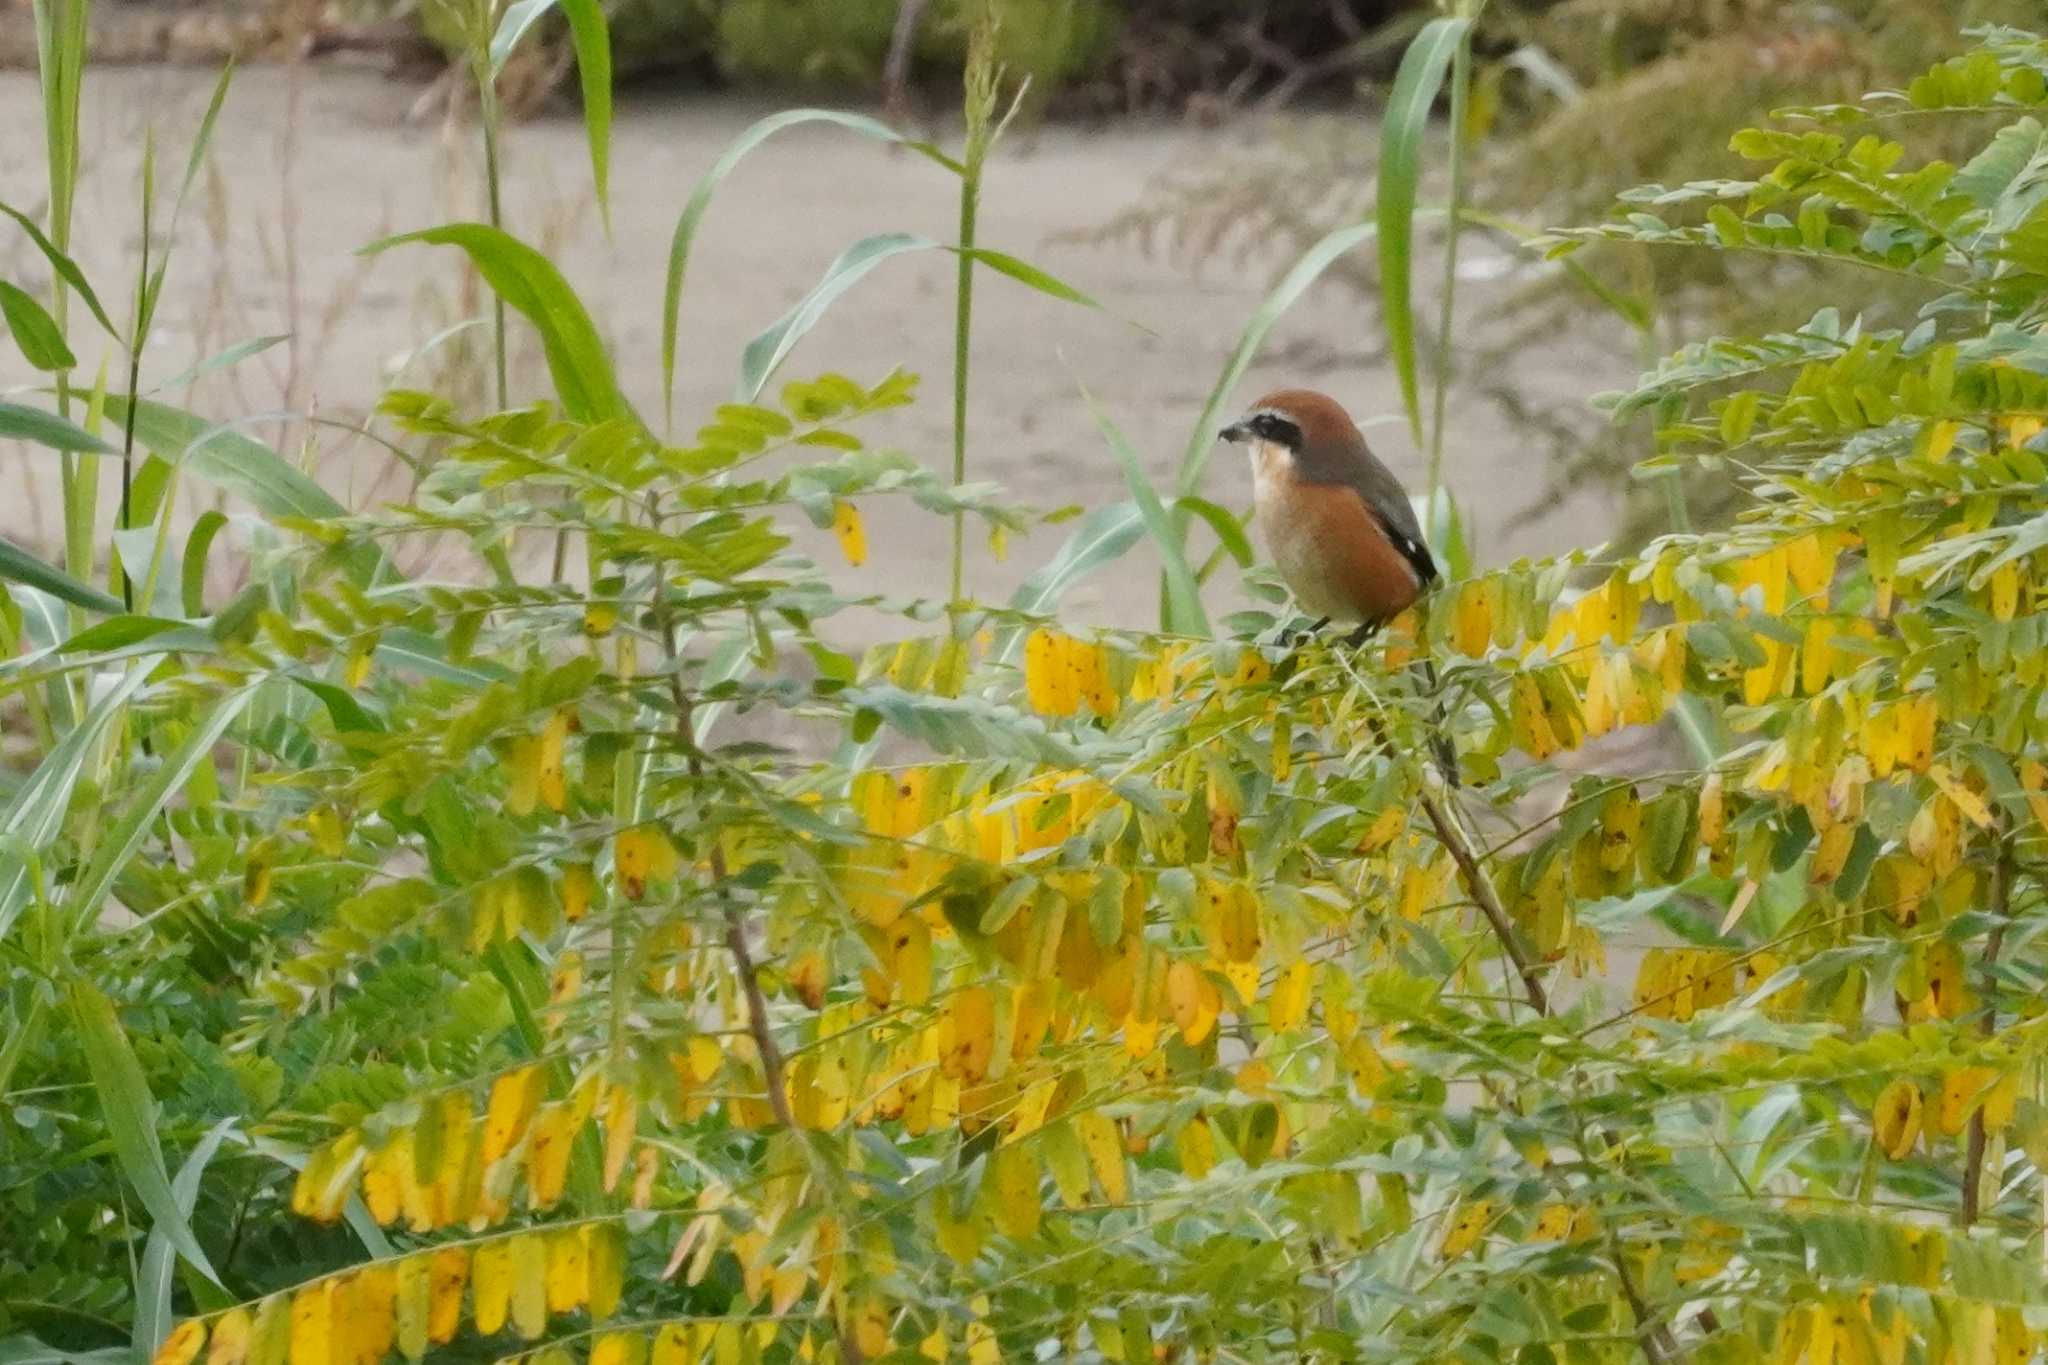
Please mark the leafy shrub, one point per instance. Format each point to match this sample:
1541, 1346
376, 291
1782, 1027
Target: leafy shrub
563, 967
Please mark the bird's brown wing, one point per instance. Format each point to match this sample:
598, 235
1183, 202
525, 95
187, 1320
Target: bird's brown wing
1359, 559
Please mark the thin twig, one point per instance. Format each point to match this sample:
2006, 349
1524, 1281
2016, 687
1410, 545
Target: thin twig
1482, 889
1651, 1334
2001, 904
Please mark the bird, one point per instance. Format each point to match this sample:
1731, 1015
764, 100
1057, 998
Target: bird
1335, 520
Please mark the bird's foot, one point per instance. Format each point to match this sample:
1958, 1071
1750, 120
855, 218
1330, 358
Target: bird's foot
1357, 638
1290, 639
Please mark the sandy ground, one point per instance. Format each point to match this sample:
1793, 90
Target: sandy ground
327, 163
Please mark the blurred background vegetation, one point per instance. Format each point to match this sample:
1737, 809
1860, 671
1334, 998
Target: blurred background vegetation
1575, 100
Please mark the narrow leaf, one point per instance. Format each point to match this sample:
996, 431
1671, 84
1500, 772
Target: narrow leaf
700, 202
66, 268
125, 839
48, 429
1101, 537
1184, 614
22, 567
1415, 90
766, 352
153, 1290
36, 813
130, 1113
221, 360
592, 40
35, 331
1229, 530
528, 281
192, 580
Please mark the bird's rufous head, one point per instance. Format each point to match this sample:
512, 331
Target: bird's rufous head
1295, 420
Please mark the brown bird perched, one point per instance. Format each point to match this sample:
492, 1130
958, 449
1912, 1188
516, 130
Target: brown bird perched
1335, 519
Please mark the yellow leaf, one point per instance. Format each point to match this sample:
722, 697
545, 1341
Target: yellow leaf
1553, 1223
2005, 590
1970, 805
549, 1144
968, 1034
1287, 1006
568, 1270
493, 1272
313, 1326
415, 1304
1363, 1064
619, 1348
367, 1322
604, 1251
622, 1114
1012, 1187
808, 979
554, 784
1472, 628
447, 1273
641, 855
270, 1337
1895, 1118
1468, 1222
1961, 1089
514, 1096
1196, 1147
522, 775
853, 537
871, 1326
1531, 722
181, 1347
1105, 1153
1833, 853
529, 1266
230, 1342
1194, 999
1042, 681
1711, 810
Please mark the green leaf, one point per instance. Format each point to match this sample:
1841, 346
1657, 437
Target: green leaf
591, 39
48, 429
233, 462
700, 202
35, 331
117, 632
221, 360
194, 159
1102, 537
1415, 89
766, 352
126, 837
1303, 273
1229, 530
528, 281
1184, 614
130, 1113
36, 813
153, 1288
1026, 273
192, 580
22, 567
66, 268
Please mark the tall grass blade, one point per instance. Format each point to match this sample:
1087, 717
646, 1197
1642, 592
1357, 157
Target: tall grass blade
1102, 537
159, 1256
66, 271
522, 277
1183, 613
47, 429
19, 566
590, 36
700, 202
192, 575
130, 1113
1407, 119
766, 352
36, 813
124, 840
201, 141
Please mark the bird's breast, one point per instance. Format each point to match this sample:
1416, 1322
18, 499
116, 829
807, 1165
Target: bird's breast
1328, 546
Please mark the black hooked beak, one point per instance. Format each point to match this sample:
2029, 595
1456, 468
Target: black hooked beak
1235, 433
